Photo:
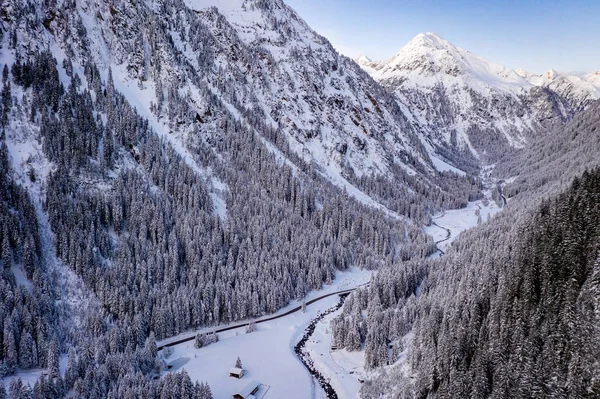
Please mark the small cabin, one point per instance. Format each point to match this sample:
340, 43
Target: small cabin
236, 372
248, 392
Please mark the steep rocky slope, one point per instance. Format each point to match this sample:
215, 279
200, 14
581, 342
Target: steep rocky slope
257, 57
190, 164
190, 65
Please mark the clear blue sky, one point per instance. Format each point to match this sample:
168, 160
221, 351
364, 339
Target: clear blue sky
531, 34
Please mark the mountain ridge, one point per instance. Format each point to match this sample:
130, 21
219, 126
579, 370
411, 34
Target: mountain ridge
173, 165
433, 41
464, 101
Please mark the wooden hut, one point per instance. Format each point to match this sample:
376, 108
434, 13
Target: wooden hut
248, 392
236, 372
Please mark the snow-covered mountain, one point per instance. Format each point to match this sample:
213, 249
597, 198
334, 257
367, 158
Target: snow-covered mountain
171, 165
465, 101
578, 90
265, 62
264, 66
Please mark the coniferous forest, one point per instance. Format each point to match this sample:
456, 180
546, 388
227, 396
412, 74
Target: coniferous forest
166, 169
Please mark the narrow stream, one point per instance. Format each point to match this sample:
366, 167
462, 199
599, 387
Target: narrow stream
448, 236
305, 357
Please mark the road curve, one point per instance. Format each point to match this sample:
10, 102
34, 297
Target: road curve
233, 327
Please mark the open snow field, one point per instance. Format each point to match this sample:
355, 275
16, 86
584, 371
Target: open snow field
267, 354
29, 377
459, 220
267, 357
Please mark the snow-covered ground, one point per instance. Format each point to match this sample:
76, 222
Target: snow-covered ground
444, 166
343, 368
267, 354
459, 220
29, 377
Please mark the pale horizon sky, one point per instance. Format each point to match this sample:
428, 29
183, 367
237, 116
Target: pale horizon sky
530, 34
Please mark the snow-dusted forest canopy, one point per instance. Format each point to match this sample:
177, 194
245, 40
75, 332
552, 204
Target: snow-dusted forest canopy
168, 166
509, 310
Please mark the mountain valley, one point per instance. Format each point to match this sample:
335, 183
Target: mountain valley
170, 168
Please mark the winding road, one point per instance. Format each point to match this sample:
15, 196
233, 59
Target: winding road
233, 327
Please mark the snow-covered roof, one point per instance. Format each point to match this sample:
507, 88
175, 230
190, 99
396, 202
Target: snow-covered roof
236, 370
248, 390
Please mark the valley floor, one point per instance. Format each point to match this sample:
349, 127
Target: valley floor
267, 354
456, 221
345, 369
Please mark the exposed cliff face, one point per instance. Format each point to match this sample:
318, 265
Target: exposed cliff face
256, 57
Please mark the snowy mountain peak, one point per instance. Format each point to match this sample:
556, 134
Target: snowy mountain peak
426, 48
594, 78
523, 73
430, 40
363, 60
465, 99
429, 59
550, 74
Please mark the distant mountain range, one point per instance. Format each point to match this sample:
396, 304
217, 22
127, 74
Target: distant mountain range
462, 101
